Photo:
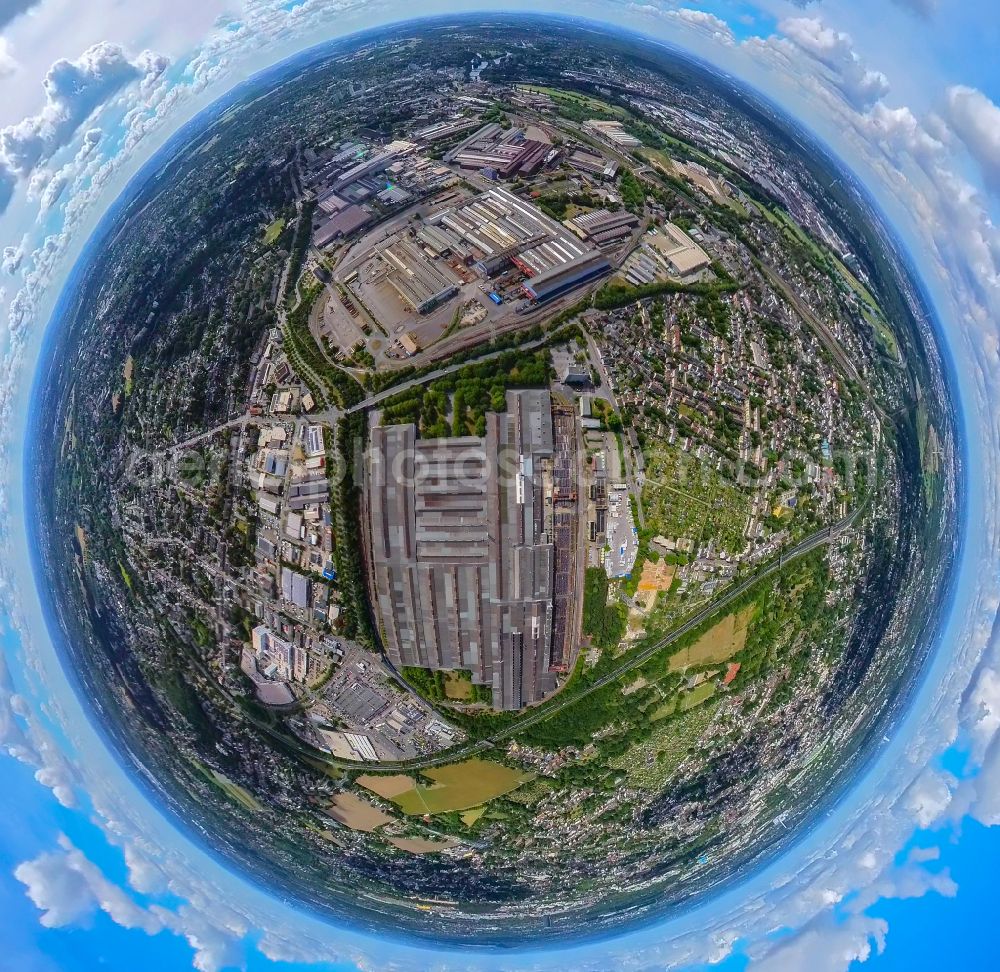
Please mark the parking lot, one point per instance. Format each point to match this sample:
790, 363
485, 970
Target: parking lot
623, 539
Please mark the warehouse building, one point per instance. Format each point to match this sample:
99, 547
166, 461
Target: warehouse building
557, 280
683, 255
614, 132
504, 151
498, 228
592, 163
345, 222
603, 228
378, 162
420, 283
442, 130
462, 555
295, 588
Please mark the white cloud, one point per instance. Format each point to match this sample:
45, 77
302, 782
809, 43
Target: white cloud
824, 944
928, 797
74, 90
910, 880
860, 85
898, 129
24, 739
216, 946
59, 892
12, 255
68, 889
705, 23
976, 121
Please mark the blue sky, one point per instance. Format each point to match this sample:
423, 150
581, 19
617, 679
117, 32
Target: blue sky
901, 877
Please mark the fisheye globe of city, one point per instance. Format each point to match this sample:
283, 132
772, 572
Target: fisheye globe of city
496, 484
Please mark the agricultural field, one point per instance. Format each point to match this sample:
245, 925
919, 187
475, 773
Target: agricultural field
716, 645
697, 695
460, 786
356, 813
421, 845
470, 817
684, 498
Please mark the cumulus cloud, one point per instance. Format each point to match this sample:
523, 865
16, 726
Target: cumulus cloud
834, 49
928, 797
975, 119
12, 255
898, 129
26, 741
824, 944
705, 23
74, 90
58, 891
911, 880
68, 889
216, 946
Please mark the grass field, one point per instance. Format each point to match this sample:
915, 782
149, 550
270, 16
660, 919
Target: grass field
273, 231
697, 695
716, 645
471, 816
594, 105
388, 787
928, 442
793, 231
856, 285
458, 787
237, 793
883, 333
660, 158
126, 576
458, 686
234, 791
687, 150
